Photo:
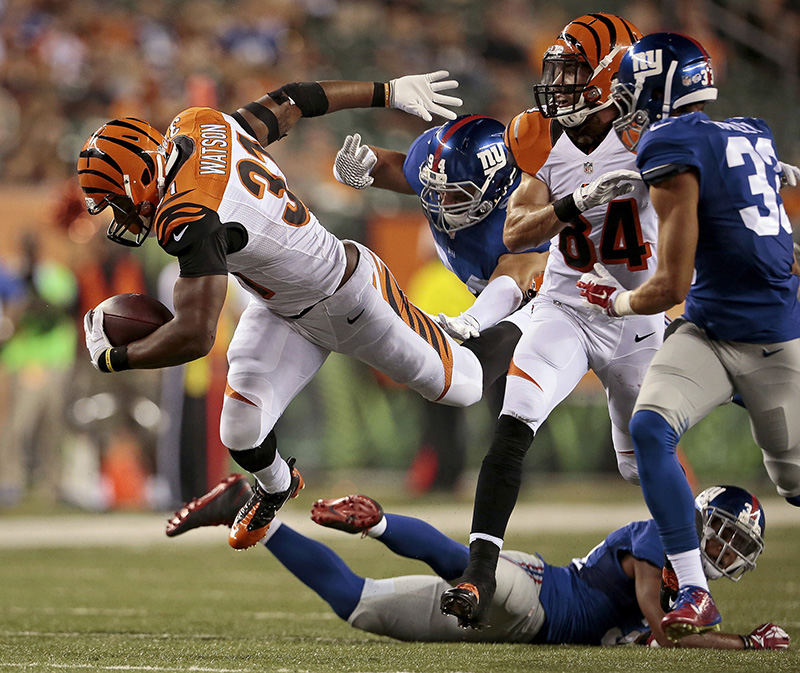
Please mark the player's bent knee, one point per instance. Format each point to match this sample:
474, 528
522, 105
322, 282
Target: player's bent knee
626, 464
649, 429
784, 471
240, 425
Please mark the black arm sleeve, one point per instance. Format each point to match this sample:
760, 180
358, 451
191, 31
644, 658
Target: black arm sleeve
205, 256
661, 173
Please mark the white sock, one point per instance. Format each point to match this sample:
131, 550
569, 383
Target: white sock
378, 529
276, 477
489, 538
689, 568
276, 523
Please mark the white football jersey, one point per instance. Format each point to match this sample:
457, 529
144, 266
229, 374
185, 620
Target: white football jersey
621, 235
290, 260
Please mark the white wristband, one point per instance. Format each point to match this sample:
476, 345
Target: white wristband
622, 304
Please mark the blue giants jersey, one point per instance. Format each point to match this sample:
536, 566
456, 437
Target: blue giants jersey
744, 289
473, 252
592, 601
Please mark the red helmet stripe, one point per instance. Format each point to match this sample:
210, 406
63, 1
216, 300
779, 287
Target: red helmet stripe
448, 134
697, 44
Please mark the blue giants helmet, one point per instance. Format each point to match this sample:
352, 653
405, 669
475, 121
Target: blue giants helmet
732, 533
468, 172
659, 74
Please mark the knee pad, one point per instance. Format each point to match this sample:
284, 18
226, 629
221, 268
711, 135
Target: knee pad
626, 456
626, 464
240, 425
525, 401
784, 471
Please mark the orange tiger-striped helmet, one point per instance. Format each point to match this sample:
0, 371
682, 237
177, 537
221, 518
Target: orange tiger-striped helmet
122, 165
577, 70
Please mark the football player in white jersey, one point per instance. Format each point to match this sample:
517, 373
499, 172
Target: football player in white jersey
562, 145
220, 204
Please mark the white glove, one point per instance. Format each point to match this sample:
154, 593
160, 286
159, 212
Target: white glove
602, 292
790, 175
96, 339
604, 189
354, 163
418, 95
462, 326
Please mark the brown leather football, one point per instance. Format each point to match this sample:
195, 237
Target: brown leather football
130, 317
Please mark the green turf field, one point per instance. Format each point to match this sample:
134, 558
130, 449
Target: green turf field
196, 605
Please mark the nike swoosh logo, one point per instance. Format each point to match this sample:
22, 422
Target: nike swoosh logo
638, 338
767, 353
350, 321
176, 236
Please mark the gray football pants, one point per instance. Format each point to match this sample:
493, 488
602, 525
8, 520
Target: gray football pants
691, 375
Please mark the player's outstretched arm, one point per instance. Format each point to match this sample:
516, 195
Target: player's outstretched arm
510, 281
675, 201
272, 116
647, 580
361, 166
191, 333
530, 218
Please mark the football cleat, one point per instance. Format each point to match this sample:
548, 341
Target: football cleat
694, 612
351, 514
254, 518
218, 507
467, 603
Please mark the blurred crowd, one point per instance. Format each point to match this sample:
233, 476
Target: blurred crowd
66, 67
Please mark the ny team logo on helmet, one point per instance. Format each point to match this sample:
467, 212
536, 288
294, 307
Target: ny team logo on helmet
578, 69
659, 74
122, 165
734, 519
467, 173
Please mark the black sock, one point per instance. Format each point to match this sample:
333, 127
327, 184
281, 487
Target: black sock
258, 457
500, 477
494, 348
483, 557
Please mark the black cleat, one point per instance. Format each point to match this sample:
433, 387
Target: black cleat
468, 604
218, 507
254, 518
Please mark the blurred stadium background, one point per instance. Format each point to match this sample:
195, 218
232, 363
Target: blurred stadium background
147, 440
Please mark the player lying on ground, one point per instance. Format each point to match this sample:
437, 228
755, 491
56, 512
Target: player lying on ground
725, 247
220, 204
463, 174
601, 599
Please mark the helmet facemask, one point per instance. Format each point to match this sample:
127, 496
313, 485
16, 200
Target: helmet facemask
563, 90
122, 165
728, 546
631, 123
730, 525
455, 205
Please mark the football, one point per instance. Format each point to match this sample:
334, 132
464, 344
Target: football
129, 317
